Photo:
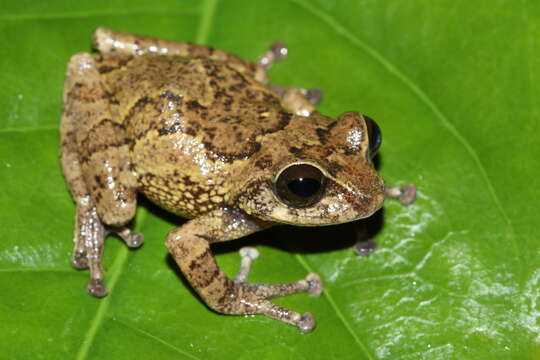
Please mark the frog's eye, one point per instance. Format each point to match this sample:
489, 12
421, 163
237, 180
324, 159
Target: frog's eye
374, 136
300, 185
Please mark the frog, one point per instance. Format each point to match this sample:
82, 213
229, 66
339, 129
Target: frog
205, 135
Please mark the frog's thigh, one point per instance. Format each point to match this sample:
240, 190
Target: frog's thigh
108, 41
101, 143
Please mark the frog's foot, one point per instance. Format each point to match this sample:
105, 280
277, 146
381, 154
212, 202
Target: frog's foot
278, 51
88, 251
405, 194
79, 258
299, 101
365, 247
314, 96
132, 239
254, 297
248, 255
89, 244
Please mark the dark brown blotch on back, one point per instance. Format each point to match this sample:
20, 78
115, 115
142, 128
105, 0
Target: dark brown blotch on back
86, 94
264, 162
169, 95
137, 108
334, 168
324, 133
169, 130
102, 184
195, 105
295, 150
102, 136
112, 98
108, 64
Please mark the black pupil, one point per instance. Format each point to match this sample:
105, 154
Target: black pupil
300, 185
304, 187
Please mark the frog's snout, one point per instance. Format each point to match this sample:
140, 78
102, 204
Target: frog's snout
370, 198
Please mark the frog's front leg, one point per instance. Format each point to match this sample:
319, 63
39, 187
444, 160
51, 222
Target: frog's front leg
405, 194
190, 247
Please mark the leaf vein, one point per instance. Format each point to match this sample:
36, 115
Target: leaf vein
328, 296
101, 312
116, 270
155, 338
208, 8
28, 129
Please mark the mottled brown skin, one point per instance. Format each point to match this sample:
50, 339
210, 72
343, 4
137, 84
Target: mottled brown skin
203, 134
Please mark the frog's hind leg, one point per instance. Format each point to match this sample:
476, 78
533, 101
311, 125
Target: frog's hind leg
93, 166
299, 101
131, 238
190, 247
112, 42
277, 51
311, 284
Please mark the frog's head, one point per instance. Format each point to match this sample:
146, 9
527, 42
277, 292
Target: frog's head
325, 176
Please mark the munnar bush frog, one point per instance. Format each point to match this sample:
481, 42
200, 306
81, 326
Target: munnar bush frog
203, 134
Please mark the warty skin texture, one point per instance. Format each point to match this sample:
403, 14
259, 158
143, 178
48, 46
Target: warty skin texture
203, 134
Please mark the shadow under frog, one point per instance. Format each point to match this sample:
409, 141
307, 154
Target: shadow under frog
203, 134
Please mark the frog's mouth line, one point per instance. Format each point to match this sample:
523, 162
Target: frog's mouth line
338, 205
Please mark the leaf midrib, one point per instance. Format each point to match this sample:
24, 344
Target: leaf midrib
101, 312
156, 339
328, 296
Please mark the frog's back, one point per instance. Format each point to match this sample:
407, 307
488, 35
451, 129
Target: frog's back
192, 122
199, 97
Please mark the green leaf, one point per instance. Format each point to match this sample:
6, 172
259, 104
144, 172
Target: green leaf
453, 85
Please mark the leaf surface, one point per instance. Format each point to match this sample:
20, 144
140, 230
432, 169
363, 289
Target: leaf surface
452, 84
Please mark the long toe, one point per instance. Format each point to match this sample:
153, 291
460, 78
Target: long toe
315, 284
306, 323
79, 260
97, 288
